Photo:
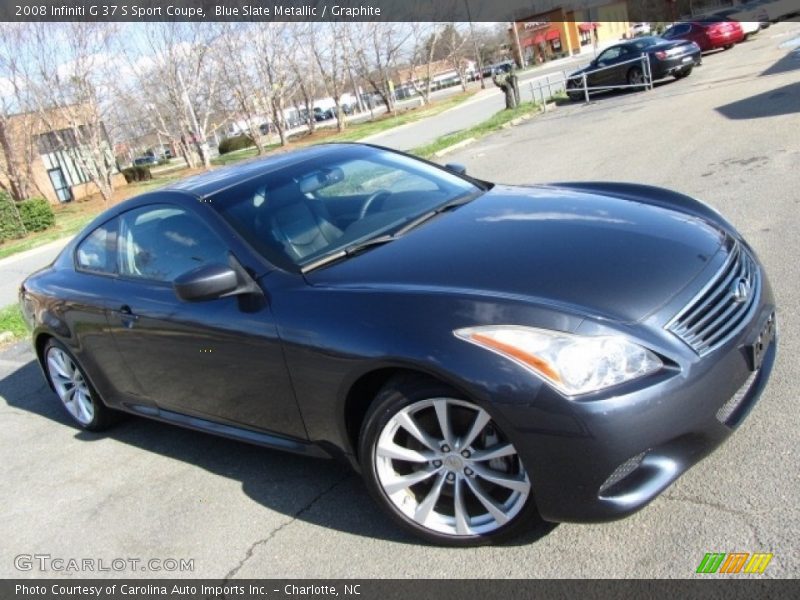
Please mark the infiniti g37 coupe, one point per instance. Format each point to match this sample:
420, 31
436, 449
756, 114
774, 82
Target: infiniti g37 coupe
627, 64
485, 355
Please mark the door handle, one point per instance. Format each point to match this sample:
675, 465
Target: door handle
126, 315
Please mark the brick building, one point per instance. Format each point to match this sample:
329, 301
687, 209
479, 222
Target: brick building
46, 153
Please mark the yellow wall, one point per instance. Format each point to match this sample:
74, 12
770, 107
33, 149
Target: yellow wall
613, 19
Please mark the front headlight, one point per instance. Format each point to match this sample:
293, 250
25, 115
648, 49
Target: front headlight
574, 364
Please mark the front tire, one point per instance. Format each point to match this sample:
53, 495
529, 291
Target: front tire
73, 388
636, 77
441, 467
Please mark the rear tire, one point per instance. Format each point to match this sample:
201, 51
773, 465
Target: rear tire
683, 73
419, 451
728, 46
73, 388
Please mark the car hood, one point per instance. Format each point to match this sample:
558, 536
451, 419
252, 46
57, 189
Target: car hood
597, 254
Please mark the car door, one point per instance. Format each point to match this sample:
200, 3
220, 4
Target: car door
85, 301
218, 359
605, 63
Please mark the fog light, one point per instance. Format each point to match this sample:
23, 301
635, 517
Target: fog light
726, 410
622, 471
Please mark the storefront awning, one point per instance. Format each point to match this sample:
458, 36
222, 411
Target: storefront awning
538, 39
588, 26
553, 34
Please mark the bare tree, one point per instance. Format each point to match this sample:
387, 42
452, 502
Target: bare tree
329, 46
178, 80
235, 62
16, 146
426, 40
64, 72
378, 48
456, 47
300, 60
273, 65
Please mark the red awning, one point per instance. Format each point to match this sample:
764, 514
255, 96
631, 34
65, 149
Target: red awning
539, 39
588, 26
553, 34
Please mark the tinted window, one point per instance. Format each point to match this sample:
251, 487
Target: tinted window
677, 30
162, 242
96, 252
610, 54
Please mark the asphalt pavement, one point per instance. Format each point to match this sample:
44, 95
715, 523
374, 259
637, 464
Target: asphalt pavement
727, 134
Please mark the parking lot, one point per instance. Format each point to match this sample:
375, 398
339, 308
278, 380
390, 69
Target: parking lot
728, 134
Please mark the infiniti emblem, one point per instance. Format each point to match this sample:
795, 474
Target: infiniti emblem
740, 290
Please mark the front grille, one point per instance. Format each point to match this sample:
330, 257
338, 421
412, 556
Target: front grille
722, 307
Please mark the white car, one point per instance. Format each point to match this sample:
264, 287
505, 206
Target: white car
638, 29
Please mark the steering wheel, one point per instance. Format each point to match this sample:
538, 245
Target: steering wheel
371, 200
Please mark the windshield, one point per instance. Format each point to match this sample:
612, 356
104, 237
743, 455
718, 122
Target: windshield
308, 210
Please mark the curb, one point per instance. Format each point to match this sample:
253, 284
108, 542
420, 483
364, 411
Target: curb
456, 146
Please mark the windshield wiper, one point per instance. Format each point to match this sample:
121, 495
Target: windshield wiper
454, 203
348, 251
358, 247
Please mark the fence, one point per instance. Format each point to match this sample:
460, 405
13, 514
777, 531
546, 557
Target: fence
545, 87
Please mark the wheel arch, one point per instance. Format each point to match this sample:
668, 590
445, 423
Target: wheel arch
361, 393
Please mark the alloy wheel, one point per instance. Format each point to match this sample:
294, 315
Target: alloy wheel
70, 385
445, 465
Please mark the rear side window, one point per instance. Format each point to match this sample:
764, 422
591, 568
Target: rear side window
96, 252
162, 242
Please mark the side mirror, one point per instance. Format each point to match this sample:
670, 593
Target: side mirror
207, 283
456, 168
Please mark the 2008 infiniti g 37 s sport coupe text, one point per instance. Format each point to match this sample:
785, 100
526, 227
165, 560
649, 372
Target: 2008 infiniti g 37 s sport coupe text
484, 355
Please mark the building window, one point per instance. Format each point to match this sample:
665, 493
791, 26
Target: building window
555, 44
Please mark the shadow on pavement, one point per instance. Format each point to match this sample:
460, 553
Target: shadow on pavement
267, 476
780, 101
790, 62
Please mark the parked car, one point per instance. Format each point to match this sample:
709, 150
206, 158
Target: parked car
498, 68
749, 27
639, 29
323, 114
486, 355
145, 161
613, 67
709, 35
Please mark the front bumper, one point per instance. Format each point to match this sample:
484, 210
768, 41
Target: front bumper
656, 432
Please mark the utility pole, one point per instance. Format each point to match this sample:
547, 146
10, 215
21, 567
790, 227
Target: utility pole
517, 46
475, 44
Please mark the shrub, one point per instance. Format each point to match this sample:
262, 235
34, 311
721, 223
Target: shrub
237, 142
137, 173
11, 226
37, 214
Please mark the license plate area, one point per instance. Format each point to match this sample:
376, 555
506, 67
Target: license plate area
756, 350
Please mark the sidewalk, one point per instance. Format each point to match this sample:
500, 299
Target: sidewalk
15, 268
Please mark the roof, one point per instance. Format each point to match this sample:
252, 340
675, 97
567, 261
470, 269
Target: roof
211, 182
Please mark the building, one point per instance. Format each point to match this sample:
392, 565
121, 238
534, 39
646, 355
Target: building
563, 32
46, 152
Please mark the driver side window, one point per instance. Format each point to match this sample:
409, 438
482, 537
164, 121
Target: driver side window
161, 242
609, 55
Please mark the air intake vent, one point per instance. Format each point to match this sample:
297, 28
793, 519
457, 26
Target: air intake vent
722, 307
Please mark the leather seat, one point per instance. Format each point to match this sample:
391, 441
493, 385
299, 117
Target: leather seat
297, 226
